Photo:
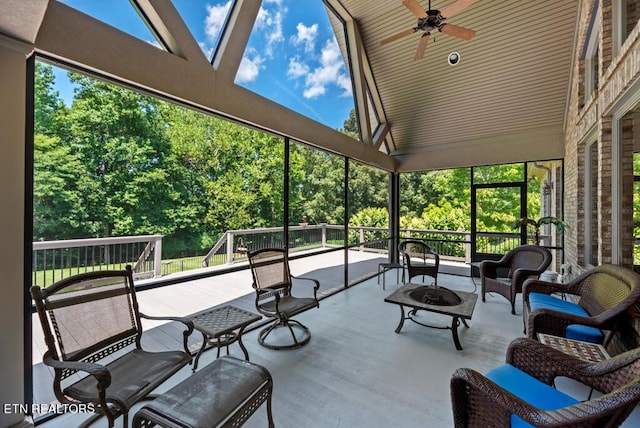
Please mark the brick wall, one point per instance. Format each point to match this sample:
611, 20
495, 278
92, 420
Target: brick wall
590, 121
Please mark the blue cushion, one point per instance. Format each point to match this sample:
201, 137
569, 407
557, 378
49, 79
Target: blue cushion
529, 389
574, 331
584, 333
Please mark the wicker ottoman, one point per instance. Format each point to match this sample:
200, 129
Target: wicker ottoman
223, 394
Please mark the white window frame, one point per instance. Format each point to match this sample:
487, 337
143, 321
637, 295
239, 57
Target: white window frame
590, 178
618, 25
591, 65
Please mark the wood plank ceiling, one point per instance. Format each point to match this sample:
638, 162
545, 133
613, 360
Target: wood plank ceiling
509, 90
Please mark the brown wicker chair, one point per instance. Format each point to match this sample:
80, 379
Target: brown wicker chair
479, 401
419, 260
601, 296
520, 264
92, 329
273, 282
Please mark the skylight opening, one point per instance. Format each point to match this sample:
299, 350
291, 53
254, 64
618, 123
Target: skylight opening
120, 14
207, 21
293, 58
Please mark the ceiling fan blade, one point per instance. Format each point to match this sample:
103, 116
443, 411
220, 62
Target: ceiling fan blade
422, 46
456, 7
415, 8
397, 36
456, 31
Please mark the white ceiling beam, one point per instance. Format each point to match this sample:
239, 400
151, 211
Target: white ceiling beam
234, 38
169, 26
365, 68
380, 135
359, 81
521, 146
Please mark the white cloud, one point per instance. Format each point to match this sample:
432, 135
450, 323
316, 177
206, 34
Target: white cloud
330, 72
306, 36
216, 16
270, 23
249, 69
296, 68
207, 50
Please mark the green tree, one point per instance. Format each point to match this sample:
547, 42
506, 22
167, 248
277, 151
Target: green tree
350, 126
316, 186
61, 186
119, 137
49, 107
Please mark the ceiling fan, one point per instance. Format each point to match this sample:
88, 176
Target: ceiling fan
432, 19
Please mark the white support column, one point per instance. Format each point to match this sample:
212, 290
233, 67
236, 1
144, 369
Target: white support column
324, 235
157, 258
229, 248
12, 217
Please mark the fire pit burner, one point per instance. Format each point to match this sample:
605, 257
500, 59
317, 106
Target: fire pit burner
438, 296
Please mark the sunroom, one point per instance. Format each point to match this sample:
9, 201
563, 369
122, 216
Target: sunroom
534, 117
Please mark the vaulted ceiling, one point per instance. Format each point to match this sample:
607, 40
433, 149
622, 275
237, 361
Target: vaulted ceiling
506, 96
505, 101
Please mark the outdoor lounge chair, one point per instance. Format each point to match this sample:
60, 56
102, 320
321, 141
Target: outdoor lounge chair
419, 260
591, 308
520, 392
92, 329
273, 282
520, 264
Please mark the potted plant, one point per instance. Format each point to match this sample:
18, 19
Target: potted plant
537, 224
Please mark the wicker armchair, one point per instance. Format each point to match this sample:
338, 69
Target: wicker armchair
594, 303
520, 393
521, 263
273, 282
419, 260
92, 329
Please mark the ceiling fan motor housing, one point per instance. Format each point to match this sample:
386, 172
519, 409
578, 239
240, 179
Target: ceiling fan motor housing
431, 22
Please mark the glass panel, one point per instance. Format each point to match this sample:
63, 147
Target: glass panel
497, 210
316, 214
206, 21
119, 14
368, 219
116, 166
506, 173
156, 167
436, 206
293, 58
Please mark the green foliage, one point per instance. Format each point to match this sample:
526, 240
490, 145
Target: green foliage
61, 189
49, 104
120, 163
561, 226
316, 186
351, 126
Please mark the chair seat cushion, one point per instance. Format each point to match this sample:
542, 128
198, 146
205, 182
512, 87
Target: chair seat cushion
133, 376
529, 389
207, 397
574, 331
290, 305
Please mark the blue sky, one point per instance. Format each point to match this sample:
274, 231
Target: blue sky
291, 58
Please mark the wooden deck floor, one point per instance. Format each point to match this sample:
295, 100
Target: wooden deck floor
355, 371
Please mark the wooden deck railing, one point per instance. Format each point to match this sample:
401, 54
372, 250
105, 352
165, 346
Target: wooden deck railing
54, 260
